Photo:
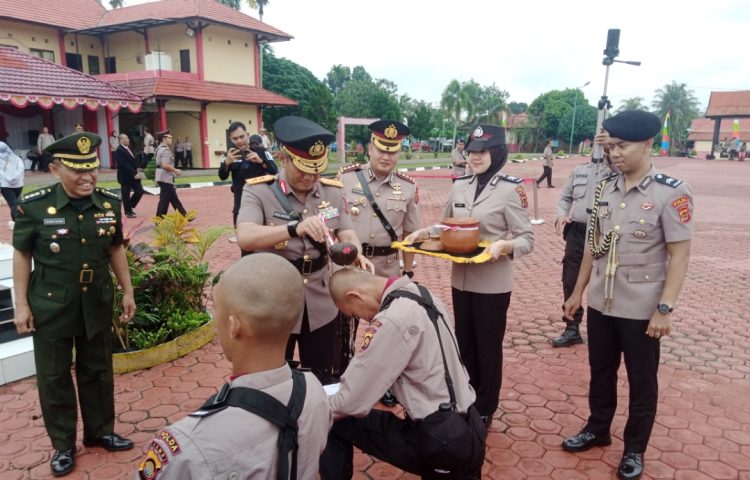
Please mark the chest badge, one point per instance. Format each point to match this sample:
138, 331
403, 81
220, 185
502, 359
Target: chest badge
323, 205
54, 247
639, 234
51, 210
647, 206
604, 212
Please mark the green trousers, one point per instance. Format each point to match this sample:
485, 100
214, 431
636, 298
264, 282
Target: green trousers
57, 395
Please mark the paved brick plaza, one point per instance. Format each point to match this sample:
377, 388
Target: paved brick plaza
702, 427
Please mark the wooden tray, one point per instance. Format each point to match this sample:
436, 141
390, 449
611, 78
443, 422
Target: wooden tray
477, 256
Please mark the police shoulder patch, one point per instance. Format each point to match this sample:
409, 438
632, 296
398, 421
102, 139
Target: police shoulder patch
263, 179
667, 180
331, 183
406, 177
350, 168
35, 195
108, 193
510, 178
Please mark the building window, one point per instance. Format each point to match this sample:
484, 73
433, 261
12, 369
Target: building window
185, 61
48, 55
110, 65
94, 65
74, 61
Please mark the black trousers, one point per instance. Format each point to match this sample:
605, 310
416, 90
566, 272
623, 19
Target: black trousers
609, 338
480, 328
318, 349
167, 196
188, 159
130, 201
575, 241
380, 434
179, 159
11, 195
57, 394
546, 174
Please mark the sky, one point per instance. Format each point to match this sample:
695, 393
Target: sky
525, 47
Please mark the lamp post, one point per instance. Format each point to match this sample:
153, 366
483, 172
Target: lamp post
573, 124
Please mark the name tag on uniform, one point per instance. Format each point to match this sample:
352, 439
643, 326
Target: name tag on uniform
105, 221
581, 175
282, 215
54, 221
459, 205
358, 191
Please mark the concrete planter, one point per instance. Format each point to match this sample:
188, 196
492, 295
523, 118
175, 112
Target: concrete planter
166, 352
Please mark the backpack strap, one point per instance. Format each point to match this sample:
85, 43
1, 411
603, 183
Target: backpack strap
284, 417
425, 301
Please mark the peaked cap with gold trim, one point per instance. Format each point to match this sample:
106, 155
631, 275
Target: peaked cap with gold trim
388, 134
77, 151
305, 142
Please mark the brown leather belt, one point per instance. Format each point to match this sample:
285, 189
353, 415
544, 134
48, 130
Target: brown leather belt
307, 266
370, 251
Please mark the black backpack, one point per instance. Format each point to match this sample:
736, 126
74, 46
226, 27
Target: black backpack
267, 407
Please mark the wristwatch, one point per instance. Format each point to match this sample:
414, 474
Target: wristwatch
291, 227
664, 309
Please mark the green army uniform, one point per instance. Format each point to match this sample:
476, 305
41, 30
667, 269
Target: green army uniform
71, 294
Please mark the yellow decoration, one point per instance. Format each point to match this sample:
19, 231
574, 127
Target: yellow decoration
317, 149
391, 131
480, 258
84, 145
107, 205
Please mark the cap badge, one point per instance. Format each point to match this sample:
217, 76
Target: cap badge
391, 131
84, 145
478, 132
317, 149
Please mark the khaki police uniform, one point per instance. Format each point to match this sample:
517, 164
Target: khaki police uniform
165, 180
236, 444
71, 298
646, 218
400, 350
260, 206
398, 197
575, 202
460, 163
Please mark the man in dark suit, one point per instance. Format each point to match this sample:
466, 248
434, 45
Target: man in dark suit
128, 176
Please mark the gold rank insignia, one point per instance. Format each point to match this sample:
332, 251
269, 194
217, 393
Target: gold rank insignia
111, 229
51, 210
107, 205
317, 149
101, 232
84, 145
391, 131
323, 205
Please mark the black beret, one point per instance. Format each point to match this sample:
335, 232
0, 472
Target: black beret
632, 125
485, 137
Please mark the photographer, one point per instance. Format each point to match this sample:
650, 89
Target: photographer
246, 159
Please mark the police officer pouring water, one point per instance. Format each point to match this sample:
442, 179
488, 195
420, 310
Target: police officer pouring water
638, 250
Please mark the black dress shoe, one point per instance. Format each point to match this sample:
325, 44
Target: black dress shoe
63, 462
131, 215
631, 466
571, 336
585, 441
112, 442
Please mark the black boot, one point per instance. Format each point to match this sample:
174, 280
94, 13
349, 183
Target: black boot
570, 336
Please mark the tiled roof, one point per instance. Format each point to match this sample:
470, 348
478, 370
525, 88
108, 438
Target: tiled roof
702, 129
68, 14
176, 10
729, 103
152, 84
26, 76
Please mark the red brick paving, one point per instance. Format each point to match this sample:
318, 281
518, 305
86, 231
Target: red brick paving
702, 428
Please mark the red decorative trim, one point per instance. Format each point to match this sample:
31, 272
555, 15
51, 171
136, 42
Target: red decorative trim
204, 137
69, 103
199, 52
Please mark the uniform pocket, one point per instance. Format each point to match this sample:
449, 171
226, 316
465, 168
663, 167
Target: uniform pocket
51, 294
579, 189
643, 227
652, 273
396, 205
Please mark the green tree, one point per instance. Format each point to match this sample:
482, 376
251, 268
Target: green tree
359, 73
421, 119
294, 81
518, 107
490, 104
337, 78
236, 4
259, 4
454, 102
683, 105
633, 103
116, 3
552, 114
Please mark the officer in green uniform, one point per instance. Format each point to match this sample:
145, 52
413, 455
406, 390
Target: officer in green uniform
73, 232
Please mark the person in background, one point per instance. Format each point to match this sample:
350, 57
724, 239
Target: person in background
266, 142
128, 176
114, 142
179, 153
77, 128
547, 160
165, 173
188, 146
44, 140
743, 152
459, 159
148, 144
12, 170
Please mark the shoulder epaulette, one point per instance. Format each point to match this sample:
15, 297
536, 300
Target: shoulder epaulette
667, 180
406, 177
350, 168
331, 183
510, 178
108, 193
465, 177
263, 179
35, 195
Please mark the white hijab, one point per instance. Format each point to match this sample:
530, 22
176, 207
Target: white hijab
12, 168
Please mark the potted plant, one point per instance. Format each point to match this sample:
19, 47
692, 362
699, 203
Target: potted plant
170, 277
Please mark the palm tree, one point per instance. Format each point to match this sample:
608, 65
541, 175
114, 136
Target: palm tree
683, 105
116, 3
231, 3
454, 102
633, 103
260, 5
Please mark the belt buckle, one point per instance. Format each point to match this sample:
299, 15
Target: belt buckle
86, 276
306, 267
369, 250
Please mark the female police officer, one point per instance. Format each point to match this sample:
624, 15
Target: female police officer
72, 231
481, 292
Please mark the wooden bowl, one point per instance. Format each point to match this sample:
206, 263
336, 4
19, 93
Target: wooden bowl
461, 236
